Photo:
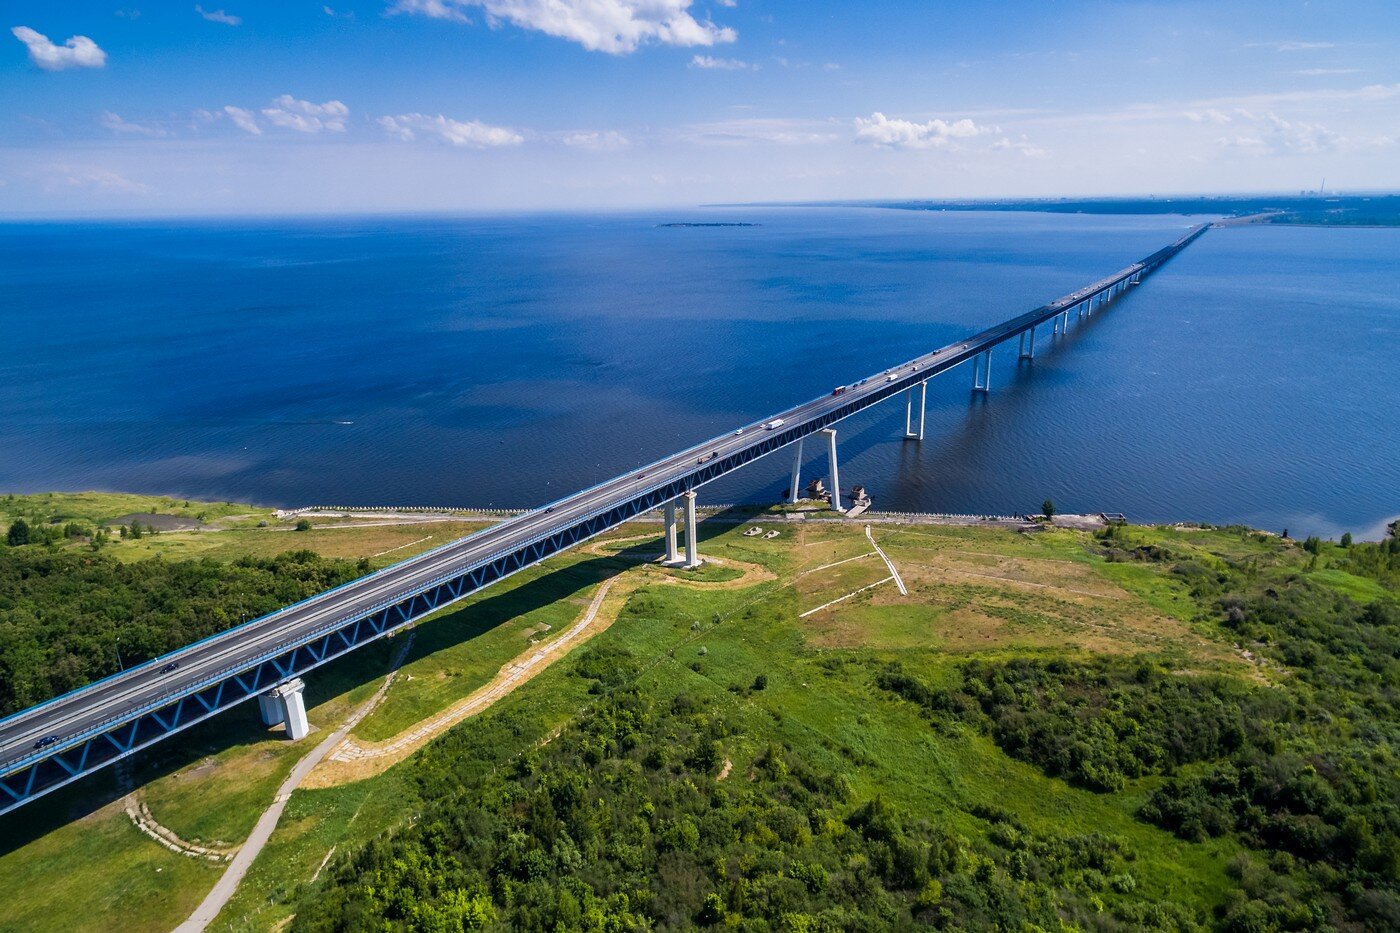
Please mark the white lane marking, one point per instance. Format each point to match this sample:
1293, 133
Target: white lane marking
402, 546
837, 563
844, 598
894, 571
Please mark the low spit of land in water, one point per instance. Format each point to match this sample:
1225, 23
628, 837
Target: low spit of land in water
1330, 210
1007, 697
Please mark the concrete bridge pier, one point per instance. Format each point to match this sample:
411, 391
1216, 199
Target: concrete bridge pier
835, 468
982, 361
1027, 351
796, 471
909, 433
284, 704
671, 556
692, 546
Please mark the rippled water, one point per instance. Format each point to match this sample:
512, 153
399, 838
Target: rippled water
509, 360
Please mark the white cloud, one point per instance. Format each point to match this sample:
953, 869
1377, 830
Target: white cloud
472, 134
77, 52
1300, 46
1270, 134
1314, 72
116, 124
1210, 115
243, 119
784, 132
880, 130
597, 140
219, 16
719, 64
101, 179
306, 117
1022, 145
613, 26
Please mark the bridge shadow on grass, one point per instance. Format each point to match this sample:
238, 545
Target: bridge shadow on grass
241, 726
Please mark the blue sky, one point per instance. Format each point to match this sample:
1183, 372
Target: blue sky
235, 106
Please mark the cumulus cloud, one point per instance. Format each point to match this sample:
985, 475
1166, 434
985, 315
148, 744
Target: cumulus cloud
243, 119
116, 124
77, 52
709, 62
219, 16
306, 117
613, 26
880, 130
472, 134
597, 140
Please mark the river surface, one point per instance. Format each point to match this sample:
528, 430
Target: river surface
509, 360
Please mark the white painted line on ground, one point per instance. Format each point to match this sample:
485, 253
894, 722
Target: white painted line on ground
894, 571
402, 546
844, 598
837, 563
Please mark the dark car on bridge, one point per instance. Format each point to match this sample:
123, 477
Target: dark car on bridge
46, 741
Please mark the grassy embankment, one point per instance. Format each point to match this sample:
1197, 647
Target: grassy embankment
974, 593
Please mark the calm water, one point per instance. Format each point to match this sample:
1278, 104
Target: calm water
507, 361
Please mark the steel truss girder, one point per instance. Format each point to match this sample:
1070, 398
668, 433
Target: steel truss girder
39, 773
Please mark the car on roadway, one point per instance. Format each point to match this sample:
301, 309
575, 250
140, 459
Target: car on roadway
839, 390
170, 667
890, 377
46, 741
708, 457
738, 432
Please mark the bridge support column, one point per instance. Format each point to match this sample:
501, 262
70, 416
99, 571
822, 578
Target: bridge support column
835, 468
286, 705
1027, 349
669, 536
981, 361
909, 432
692, 547
270, 709
796, 472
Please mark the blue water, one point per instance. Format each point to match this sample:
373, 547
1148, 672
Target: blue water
506, 361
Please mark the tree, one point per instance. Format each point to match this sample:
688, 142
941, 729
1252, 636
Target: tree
136, 529
1048, 508
304, 525
1346, 539
19, 533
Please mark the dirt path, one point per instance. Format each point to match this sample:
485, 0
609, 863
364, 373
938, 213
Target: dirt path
227, 884
353, 760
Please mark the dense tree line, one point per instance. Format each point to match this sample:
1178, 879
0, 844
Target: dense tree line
68, 617
639, 818
1304, 772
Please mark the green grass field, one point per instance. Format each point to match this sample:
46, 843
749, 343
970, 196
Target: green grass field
974, 593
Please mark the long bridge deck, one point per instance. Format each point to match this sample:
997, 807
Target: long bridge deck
56, 742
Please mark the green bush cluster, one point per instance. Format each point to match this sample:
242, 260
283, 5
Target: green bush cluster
68, 618
623, 823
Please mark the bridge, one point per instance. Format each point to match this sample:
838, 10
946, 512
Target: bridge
54, 743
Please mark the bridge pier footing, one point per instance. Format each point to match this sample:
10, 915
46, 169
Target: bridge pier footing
284, 704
